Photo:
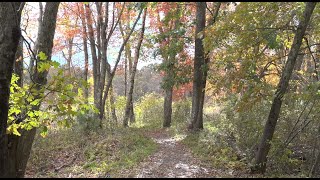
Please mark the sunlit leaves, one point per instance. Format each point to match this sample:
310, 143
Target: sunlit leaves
63, 103
244, 41
42, 56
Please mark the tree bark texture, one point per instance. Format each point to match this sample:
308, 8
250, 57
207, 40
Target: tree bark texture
9, 39
21, 146
199, 67
129, 103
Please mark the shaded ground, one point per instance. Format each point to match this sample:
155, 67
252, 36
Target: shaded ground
172, 159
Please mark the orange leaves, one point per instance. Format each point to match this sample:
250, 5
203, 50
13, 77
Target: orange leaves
182, 91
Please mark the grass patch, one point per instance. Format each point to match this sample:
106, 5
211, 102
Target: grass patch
96, 154
204, 146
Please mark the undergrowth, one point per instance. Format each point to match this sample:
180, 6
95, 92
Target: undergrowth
105, 153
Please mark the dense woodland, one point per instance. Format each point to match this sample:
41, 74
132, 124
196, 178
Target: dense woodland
159, 89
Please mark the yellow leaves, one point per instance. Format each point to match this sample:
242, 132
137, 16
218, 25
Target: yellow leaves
13, 129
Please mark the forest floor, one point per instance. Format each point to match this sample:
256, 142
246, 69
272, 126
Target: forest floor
127, 153
172, 160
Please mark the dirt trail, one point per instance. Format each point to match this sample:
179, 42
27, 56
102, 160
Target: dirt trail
172, 159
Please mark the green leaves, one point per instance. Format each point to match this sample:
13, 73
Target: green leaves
42, 56
61, 106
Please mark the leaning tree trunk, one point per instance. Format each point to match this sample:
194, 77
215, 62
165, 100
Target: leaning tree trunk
10, 13
129, 104
20, 153
112, 73
199, 61
264, 146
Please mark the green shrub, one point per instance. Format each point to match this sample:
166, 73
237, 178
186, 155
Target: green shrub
149, 111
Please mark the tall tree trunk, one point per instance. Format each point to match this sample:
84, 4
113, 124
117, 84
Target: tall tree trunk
168, 79
19, 156
264, 146
127, 57
85, 51
106, 69
112, 73
10, 13
35, 49
102, 48
199, 62
129, 104
94, 57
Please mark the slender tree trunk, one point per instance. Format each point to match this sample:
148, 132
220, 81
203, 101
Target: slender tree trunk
94, 58
316, 165
110, 78
69, 58
129, 104
102, 36
264, 147
112, 106
127, 58
35, 49
10, 34
85, 51
169, 77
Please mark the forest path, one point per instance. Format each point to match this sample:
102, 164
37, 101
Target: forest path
172, 159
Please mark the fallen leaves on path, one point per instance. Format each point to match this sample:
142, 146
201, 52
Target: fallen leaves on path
172, 160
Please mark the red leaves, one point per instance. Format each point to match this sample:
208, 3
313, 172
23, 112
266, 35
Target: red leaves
183, 91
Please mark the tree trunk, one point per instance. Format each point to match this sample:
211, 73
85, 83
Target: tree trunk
315, 167
112, 106
264, 146
10, 33
13, 139
94, 57
297, 68
35, 49
20, 151
132, 116
69, 59
199, 62
129, 104
112, 73
85, 51
167, 107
